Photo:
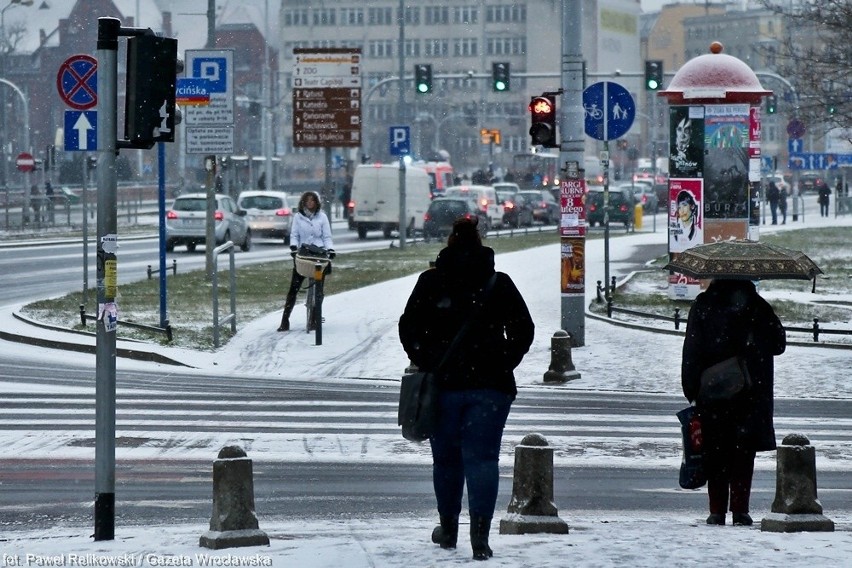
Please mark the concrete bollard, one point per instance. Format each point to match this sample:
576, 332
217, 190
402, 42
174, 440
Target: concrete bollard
531, 509
796, 507
233, 522
562, 367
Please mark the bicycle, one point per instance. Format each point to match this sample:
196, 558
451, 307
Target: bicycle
314, 269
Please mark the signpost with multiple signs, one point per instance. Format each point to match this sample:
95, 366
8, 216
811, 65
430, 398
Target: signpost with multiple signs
210, 125
327, 97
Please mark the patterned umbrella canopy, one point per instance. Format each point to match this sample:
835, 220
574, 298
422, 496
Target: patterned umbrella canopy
744, 260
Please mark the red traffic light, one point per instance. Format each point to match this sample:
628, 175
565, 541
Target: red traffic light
541, 106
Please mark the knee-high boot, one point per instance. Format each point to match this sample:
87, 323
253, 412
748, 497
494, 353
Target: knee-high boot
446, 534
285, 317
479, 529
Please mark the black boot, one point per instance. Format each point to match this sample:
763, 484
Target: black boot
447, 533
285, 317
479, 529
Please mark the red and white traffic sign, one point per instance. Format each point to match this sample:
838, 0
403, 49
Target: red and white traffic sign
25, 162
77, 81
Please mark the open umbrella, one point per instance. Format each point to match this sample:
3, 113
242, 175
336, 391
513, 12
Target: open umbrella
744, 260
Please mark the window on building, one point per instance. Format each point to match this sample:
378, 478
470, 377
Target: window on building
381, 48
436, 47
325, 17
505, 46
296, 17
437, 15
412, 15
466, 47
352, 16
506, 13
380, 16
412, 48
465, 15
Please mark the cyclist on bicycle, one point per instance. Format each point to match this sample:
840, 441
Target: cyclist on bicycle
310, 227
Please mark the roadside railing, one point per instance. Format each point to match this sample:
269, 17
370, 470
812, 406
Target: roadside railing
167, 330
232, 317
815, 330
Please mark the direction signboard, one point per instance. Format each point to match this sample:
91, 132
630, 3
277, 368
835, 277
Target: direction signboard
814, 161
77, 81
327, 97
81, 130
609, 110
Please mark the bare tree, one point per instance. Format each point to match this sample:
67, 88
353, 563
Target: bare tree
13, 33
814, 52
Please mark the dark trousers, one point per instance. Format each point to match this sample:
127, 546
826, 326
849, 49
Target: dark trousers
729, 473
773, 208
823, 209
466, 448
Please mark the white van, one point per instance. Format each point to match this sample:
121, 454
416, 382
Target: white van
375, 198
485, 197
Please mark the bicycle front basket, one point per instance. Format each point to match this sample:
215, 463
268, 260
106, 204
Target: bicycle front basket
305, 265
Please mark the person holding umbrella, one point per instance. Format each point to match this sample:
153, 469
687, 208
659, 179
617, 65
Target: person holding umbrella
727, 320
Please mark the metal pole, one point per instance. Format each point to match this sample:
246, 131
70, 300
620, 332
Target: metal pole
572, 139
210, 224
84, 197
401, 121
161, 212
107, 55
267, 106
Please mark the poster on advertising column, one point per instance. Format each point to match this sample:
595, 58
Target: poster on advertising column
686, 219
686, 141
726, 163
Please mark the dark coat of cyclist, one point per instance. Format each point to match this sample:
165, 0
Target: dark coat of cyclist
310, 227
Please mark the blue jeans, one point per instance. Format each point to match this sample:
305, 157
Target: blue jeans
466, 448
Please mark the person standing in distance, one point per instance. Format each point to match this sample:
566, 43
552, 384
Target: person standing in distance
729, 319
310, 227
477, 386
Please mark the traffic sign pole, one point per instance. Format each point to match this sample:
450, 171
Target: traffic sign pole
107, 274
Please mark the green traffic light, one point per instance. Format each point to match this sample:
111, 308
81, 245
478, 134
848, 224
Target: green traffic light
653, 85
500, 86
423, 88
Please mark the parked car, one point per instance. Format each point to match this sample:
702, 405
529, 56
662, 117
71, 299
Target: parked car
621, 203
810, 182
269, 213
443, 212
186, 222
544, 205
780, 183
643, 193
517, 210
485, 197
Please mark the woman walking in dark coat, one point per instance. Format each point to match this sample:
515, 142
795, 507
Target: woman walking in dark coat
477, 386
729, 319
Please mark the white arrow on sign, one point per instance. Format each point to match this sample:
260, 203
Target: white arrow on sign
82, 126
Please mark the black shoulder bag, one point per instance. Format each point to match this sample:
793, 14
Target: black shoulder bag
418, 393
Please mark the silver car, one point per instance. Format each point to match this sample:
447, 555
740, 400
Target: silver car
269, 213
186, 222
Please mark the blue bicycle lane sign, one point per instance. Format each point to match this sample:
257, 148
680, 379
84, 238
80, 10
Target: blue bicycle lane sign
609, 110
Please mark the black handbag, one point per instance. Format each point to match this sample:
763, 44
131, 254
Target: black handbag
418, 392
692, 474
724, 380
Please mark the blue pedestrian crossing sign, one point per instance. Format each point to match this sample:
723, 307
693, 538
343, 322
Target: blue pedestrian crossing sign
81, 130
400, 140
609, 110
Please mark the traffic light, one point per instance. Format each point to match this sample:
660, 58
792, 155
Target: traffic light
771, 104
423, 78
500, 76
831, 108
653, 75
543, 114
150, 114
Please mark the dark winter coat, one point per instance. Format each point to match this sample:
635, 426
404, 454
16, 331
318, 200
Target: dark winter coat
718, 327
444, 298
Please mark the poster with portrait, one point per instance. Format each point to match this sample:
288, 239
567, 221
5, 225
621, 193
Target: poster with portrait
726, 161
573, 257
686, 219
686, 141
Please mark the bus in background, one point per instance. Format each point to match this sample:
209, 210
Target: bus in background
541, 171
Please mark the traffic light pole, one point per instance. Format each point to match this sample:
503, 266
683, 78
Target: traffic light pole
107, 56
572, 142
